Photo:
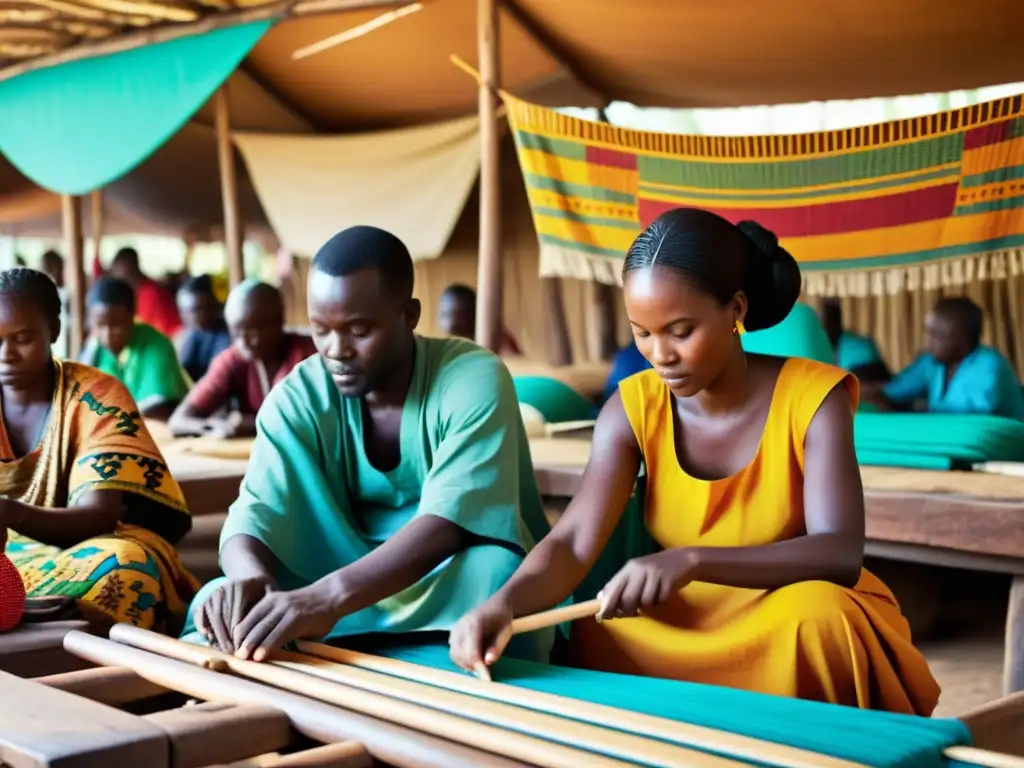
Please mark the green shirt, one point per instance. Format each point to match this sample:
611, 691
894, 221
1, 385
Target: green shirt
148, 366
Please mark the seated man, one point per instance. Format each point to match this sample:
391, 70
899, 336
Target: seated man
139, 355
241, 377
456, 316
956, 374
854, 353
88, 509
390, 488
205, 334
155, 305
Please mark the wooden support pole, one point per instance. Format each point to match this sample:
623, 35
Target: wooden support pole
74, 271
1013, 664
96, 222
489, 277
559, 344
603, 307
228, 186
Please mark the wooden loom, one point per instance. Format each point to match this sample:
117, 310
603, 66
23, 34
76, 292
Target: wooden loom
363, 710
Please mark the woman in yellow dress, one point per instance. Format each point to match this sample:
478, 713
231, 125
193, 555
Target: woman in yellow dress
88, 508
751, 489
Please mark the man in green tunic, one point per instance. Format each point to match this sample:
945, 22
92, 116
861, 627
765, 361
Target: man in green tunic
390, 488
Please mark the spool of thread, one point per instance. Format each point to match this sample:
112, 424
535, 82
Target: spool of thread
12, 595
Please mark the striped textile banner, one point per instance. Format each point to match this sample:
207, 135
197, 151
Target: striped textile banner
922, 202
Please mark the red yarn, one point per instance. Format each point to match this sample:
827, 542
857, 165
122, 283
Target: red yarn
12, 595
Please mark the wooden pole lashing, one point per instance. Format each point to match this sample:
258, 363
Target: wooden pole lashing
228, 186
489, 277
74, 271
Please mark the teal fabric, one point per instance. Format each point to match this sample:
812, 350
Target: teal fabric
555, 400
854, 350
867, 737
936, 440
984, 382
78, 126
801, 334
314, 499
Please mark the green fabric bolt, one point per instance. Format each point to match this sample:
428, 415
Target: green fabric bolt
83, 124
555, 400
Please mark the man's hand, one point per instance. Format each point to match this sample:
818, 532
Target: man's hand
227, 606
280, 617
226, 428
481, 635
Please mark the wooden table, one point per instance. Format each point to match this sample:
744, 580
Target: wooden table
966, 520
210, 484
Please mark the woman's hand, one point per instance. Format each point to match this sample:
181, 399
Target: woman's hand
280, 617
227, 606
647, 581
481, 635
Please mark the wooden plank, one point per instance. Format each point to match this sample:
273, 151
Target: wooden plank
217, 732
345, 754
42, 727
999, 725
38, 649
393, 745
1013, 661
113, 686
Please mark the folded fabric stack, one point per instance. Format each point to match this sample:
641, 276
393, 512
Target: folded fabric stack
936, 441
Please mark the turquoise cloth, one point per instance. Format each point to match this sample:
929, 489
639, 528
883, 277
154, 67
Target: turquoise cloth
983, 383
854, 351
801, 334
555, 400
313, 498
83, 124
936, 440
148, 366
864, 736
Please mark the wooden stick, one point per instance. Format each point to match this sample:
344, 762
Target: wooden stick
391, 744
673, 731
228, 186
615, 743
518, 746
555, 616
345, 754
983, 757
74, 272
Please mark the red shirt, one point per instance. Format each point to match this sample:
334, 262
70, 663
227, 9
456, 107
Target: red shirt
155, 306
232, 377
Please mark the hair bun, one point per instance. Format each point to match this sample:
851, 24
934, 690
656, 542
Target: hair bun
774, 282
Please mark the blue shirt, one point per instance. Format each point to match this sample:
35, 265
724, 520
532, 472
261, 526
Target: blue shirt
198, 349
627, 361
854, 350
983, 383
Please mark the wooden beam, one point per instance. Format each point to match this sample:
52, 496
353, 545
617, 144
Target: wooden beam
559, 346
544, 41
228, 186
1013, 662
281, 9
602, 298
489, 277
74, 271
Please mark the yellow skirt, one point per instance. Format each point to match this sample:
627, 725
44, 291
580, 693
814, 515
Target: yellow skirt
131, 575
810, 640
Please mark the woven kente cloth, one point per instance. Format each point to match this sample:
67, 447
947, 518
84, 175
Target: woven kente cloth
917, 203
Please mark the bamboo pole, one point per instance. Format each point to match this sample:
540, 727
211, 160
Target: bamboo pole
673, 731
228, 186
391, 744
74, 271
584, 736
489, 277
518, 746
555, 616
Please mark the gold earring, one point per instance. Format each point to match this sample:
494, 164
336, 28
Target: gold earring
738, 328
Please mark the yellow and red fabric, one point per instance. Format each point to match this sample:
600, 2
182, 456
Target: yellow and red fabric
893, 195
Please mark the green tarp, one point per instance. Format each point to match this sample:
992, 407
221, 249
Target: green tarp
78, 126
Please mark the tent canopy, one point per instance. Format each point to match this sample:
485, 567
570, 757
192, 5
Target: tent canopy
554, 52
